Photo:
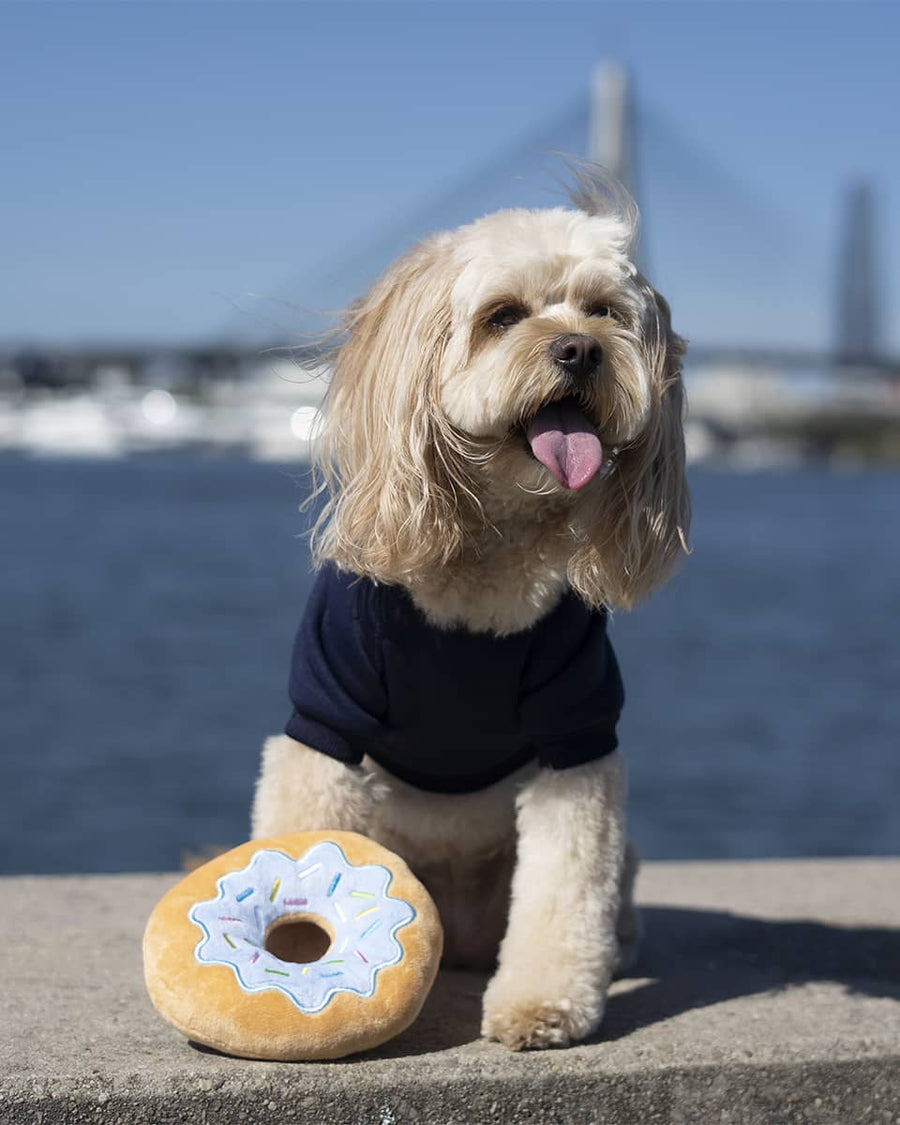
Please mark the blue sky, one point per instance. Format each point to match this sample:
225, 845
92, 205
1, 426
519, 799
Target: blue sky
177, 171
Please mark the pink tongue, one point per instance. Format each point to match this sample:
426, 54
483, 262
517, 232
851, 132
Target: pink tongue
566, 443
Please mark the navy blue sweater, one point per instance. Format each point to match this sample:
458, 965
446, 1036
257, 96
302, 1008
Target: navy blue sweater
447, 709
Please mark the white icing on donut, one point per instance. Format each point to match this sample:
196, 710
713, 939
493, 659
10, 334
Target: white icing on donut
352, 901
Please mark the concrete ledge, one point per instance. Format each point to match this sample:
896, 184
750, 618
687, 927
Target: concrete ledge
766, 992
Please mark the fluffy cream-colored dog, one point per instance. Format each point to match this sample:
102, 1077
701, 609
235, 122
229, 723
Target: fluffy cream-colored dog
504, 460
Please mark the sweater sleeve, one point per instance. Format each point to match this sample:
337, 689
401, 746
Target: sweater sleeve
572, 694
336, 686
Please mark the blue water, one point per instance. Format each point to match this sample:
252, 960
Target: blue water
148, 605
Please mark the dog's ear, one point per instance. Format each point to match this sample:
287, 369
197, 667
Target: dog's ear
636, 530
397, 488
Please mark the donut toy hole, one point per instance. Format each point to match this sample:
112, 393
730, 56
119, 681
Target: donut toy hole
298, 939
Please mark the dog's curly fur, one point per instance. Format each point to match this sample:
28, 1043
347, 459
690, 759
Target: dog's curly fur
431, 485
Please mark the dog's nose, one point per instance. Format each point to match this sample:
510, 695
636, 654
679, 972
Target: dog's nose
577, 355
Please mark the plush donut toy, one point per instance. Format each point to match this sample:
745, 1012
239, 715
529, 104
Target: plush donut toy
309, 946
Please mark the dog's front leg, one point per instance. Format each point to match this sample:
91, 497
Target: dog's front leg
560, 949
300, 789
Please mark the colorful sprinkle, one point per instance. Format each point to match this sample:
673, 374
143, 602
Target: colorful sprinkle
275, 891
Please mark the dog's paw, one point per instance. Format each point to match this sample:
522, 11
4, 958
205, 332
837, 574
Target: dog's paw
538, 1024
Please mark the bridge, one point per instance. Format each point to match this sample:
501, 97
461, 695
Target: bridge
742, 276
729, 258
704, 233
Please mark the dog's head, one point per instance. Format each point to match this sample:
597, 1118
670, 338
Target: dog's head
523, 357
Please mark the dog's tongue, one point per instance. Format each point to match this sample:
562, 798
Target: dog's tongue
566, 443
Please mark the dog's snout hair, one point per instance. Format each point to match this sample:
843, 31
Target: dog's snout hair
577, 355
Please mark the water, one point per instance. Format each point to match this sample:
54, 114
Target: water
148, 607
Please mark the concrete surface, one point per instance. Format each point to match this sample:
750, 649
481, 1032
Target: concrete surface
766, 992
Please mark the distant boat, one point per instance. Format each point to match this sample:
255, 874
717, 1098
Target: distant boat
273, 413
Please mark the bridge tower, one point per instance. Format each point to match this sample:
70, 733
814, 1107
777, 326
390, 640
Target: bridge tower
612, 130
858, 320
610, 123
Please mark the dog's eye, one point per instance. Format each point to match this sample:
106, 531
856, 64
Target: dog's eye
599, 310
506, 316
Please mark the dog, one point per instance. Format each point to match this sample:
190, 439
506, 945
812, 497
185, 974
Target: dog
503, 464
